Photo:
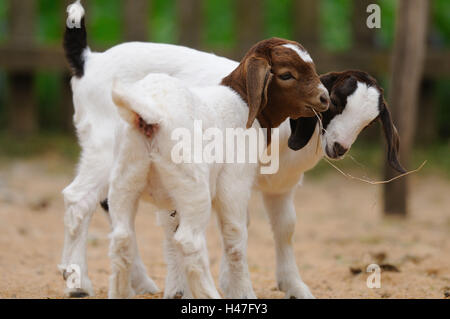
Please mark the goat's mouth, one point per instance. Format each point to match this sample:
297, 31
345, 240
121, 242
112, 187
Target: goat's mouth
319, 108
306, 111
334, 153
331, 154
312, 112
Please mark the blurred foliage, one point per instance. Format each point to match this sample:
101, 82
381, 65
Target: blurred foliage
335, 19
441, 21
278, 18
385, 35
219, 33
219, 24
3, 20
36, 145
3, 98
50, 27
442, 94
163, 26
48, 88
104, 22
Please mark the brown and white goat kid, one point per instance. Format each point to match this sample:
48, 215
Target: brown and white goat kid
276, 79
155, 108
356, 101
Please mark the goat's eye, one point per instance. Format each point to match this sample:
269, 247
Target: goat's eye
286, 76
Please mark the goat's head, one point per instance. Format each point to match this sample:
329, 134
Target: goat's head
356, 101
277, 79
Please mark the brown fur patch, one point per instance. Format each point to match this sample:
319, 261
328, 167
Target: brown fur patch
278, 98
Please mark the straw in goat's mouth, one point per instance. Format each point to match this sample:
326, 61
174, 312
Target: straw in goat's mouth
354, 177
321, 129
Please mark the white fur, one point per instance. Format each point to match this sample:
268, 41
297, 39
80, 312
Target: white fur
322, 87
98, 127
145, 164
303, 54
75, 13
361, 109
100, 131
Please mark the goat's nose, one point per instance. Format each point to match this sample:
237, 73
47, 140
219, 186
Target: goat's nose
324, 101
339, 149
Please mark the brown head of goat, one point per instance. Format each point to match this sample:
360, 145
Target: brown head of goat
277, 79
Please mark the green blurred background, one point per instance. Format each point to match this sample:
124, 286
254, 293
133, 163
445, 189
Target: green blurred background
219, 34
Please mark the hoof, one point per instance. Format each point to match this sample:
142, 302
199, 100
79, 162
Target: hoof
78, 293
247, 293
146, 286
178, 295
300, 292
295, 290
83, 290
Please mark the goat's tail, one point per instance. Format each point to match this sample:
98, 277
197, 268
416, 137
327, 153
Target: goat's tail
144, 118
75, 38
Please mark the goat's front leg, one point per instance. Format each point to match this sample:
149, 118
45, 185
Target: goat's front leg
281, 211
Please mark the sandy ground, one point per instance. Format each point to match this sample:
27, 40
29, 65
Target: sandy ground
340, 228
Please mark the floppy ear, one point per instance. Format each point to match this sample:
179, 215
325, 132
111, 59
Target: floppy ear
392, 138
302, 131
328, 80
258, 80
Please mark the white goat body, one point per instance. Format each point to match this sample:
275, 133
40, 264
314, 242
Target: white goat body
145, 165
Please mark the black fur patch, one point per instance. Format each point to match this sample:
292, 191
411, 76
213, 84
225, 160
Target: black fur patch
79, 293
340, 85
75, 42
302, 130
105, 205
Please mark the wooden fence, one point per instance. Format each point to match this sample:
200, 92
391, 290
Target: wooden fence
21, 57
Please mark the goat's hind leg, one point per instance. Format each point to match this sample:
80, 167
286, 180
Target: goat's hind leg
128, 181
195, 211
81, 198
141, 283
176, 285
231, 205
122, 251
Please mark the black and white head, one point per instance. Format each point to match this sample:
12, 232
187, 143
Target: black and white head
356, 101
